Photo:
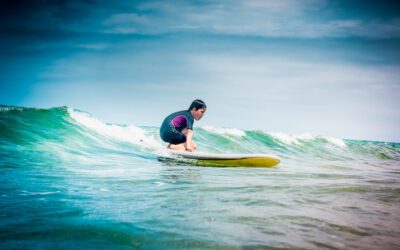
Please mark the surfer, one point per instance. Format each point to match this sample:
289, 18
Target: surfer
177, 128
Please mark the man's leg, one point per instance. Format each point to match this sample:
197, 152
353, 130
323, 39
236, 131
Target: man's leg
179, 147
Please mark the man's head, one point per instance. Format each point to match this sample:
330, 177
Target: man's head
198, 108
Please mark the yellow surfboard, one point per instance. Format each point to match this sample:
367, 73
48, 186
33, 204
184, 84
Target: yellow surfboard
229, 160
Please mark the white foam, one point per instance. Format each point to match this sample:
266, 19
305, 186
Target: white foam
9, 108
225, 131
336, 141
290, 139
297, 138
131, 133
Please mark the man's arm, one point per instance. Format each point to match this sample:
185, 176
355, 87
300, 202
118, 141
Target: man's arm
189, 137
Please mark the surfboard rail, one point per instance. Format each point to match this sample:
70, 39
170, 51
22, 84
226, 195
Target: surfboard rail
229, 160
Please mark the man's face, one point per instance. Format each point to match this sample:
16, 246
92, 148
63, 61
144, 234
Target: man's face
198, 114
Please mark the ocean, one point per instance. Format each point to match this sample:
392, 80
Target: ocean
71, 181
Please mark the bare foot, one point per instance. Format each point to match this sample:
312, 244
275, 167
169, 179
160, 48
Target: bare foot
178, 147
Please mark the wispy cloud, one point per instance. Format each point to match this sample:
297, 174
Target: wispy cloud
283, 18
300, 75
295, 19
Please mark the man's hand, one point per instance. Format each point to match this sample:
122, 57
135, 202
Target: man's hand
190, 149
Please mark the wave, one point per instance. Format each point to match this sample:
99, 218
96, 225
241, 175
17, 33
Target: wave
73, 134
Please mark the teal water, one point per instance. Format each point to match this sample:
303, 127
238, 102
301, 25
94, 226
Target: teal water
68, 180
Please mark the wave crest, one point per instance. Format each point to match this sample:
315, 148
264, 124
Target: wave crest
225, 131
130, 133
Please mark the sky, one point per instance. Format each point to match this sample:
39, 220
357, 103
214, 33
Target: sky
324, 67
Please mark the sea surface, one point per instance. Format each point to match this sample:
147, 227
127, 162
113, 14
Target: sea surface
71, 181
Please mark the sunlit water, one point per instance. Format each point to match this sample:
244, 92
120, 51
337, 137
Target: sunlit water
68, 180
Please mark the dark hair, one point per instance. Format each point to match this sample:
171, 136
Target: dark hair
197, 104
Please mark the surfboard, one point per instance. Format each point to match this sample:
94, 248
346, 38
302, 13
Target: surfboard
228, 160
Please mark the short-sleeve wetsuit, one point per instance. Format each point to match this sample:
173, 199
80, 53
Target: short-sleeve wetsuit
172, 126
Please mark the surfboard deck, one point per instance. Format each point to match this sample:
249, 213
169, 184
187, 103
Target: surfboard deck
228, 160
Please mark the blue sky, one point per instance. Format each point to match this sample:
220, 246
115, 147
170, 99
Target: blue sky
318, 66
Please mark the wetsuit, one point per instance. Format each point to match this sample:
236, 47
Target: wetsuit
171, 128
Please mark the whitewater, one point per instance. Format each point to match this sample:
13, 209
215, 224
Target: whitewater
69, 180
